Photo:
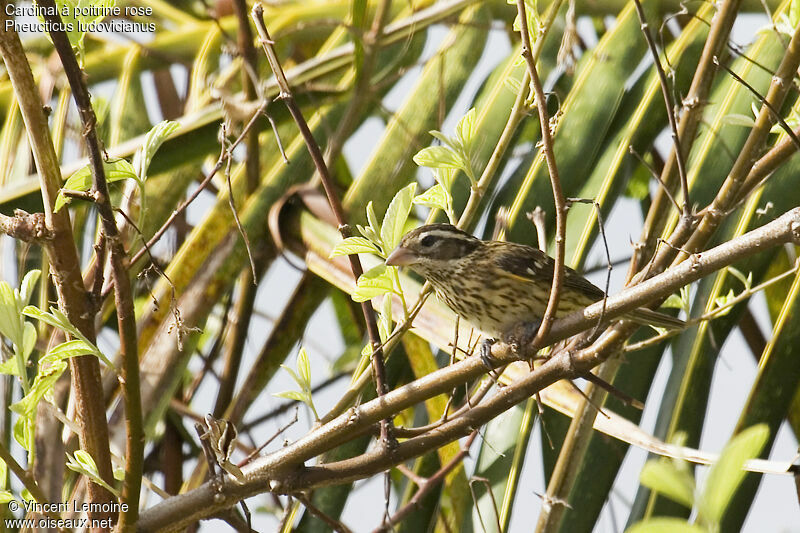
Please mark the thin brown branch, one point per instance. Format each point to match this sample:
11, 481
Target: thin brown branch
363, 92
378, 368
200, 188
670, 105
693, 105
555, 182
775, 113
428, 485
335, 525
779, 88
123, 296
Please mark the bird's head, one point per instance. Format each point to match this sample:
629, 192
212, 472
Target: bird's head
433, 248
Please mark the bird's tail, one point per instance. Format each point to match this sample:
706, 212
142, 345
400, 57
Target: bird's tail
649, 317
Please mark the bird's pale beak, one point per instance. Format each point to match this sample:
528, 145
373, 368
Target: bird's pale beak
401, 257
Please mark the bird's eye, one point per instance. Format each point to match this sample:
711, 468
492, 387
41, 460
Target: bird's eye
428, 240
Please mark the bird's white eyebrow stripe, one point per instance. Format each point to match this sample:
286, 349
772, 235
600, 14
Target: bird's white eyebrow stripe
441, 233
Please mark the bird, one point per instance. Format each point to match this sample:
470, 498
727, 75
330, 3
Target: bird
496, 285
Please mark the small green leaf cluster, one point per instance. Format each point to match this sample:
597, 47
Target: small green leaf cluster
673, 478
456, 153
724, 303
379, 239
682, 300
83, 463
302, 376
22, 334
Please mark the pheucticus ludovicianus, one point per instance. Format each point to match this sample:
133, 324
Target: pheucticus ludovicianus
495, 285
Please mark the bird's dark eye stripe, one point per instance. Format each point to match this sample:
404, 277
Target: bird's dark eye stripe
428, 240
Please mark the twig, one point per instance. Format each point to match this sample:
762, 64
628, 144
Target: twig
327, 182
657, 176
670, 105
714, 313
428, 485
227, 154
334, 524
277, 434
26, 227
488, 486
625, 398
555, 182
775, 113
203, 184
714, 214
693, 104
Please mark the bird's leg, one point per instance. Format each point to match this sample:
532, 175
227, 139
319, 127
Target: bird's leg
521, 335
487, 358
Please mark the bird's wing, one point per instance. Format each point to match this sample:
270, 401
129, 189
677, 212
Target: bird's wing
525, 263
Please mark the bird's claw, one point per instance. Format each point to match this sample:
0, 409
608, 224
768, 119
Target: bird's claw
488, 360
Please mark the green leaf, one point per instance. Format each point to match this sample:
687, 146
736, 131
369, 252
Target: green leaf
9, 367
355, 245
453, 144
304, 369
438, 157
722, 301
436, 197
86, 461
445, 177
81, 180
152, 141
738, 119
292, 395
385, 318
6, 496
373, 222
664, 477
665, 525
727, 474
10, 321
65, 350
369, 234
465, 129
28, 341
54, 318
372, 283
747, 281
27, 286
394, 220
83, 463
294, 375
43, 384
57, 319
23, 432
